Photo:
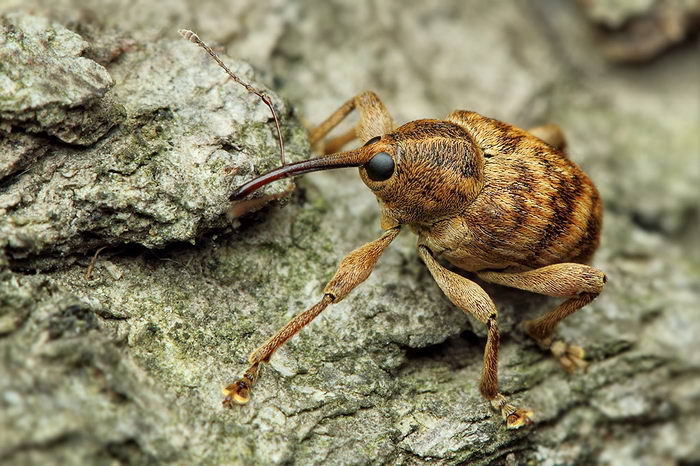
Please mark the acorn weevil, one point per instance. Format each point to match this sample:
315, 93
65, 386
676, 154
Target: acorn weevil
502, 203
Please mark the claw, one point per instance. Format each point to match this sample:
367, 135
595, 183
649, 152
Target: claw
571, 357
238, 392
576, 351
517, 418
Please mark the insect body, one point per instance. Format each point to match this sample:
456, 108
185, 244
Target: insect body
486, 196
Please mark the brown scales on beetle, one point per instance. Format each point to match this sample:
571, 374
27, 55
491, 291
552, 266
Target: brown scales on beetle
488, 197
492, 199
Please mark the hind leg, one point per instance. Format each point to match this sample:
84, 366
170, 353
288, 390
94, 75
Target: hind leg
579, 283
551, 134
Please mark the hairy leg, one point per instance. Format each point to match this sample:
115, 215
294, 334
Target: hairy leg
335, 144
352, 270
374, 120
579, 283
551, 134
471, 298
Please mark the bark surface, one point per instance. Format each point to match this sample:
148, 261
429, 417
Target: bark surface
116, 133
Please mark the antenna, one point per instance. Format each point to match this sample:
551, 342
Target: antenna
194, 38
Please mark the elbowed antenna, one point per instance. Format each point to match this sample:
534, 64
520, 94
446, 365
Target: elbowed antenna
194, 38
353, 158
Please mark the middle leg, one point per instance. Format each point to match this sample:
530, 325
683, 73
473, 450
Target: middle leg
471, 298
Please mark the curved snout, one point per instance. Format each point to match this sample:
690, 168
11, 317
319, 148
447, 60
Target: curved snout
353, 158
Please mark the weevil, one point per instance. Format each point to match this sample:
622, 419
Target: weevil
492, 199
496, 201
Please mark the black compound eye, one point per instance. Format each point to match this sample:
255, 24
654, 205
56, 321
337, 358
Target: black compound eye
380, 167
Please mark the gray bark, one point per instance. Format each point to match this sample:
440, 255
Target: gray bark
116, 133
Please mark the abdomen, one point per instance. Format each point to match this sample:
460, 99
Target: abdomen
537, 208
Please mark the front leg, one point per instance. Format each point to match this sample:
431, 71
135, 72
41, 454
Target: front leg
352, 270
579, 283
374, 120
471, 298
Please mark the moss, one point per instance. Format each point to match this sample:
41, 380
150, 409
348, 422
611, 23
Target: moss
390, 374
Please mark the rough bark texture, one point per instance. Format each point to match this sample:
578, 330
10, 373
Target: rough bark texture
115, 132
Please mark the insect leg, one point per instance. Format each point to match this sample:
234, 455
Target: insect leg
352, 270
374, 120
579, 283
471, 298
335, 144
551, 134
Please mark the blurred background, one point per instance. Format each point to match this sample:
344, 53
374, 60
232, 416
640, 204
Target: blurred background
622, 78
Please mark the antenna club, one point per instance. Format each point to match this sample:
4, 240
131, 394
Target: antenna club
189, 35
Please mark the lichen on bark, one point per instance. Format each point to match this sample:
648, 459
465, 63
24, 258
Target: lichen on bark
127, 365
